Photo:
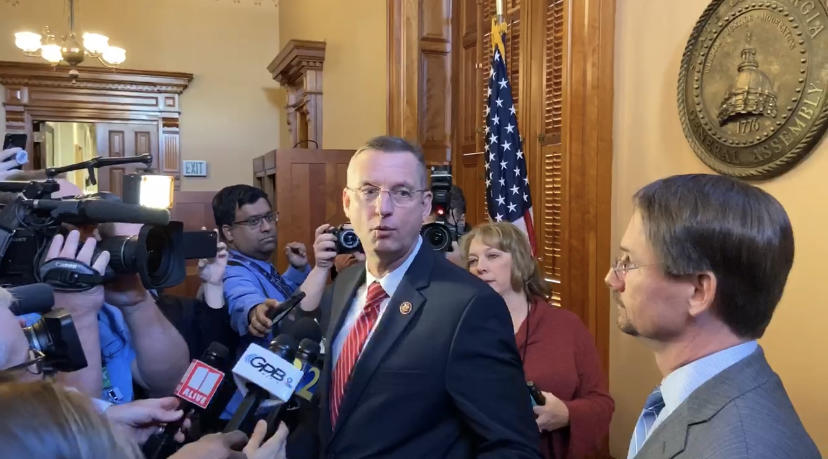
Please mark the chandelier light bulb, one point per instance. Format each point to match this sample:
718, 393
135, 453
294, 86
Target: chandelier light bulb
29, 42
95, 43
114, 55
51, 53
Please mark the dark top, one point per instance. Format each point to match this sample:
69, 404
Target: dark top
440, 377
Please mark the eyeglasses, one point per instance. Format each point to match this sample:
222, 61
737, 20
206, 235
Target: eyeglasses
256, 220
401, 196
622, 265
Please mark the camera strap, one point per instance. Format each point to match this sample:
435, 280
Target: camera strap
68, 275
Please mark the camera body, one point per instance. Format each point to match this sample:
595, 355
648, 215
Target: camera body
28, 224
439, 234
347, 240
54, 337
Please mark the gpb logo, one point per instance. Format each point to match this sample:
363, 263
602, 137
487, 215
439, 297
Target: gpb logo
260, 363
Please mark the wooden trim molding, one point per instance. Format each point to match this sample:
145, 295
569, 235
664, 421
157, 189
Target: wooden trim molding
44, 75
41, 92
298, 67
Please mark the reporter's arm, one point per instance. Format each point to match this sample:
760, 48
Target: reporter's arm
14, 349
84, 307
161, 353
324, 250
242, 294
87, 380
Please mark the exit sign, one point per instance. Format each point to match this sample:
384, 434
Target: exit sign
195, 168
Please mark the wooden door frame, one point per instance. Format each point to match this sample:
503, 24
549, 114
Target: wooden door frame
41, 92
587, 137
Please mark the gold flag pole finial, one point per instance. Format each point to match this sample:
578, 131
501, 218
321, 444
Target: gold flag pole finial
498, 29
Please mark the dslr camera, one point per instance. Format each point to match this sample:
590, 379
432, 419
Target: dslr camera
53, 338
346, 240
439, 234
28, 224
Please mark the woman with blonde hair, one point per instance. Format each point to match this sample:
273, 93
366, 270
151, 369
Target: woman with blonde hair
42, 419
557, 350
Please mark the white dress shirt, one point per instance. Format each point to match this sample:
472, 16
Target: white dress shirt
389, 283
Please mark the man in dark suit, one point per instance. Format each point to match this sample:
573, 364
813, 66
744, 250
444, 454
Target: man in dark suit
702, 266
422, 361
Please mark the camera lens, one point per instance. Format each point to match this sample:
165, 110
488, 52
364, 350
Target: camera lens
348, 239
437, 235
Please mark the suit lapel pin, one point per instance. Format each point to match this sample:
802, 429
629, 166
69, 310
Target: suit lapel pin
405, 308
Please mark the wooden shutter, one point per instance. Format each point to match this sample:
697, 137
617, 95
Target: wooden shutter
551, 222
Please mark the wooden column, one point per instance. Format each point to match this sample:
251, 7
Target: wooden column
298, 67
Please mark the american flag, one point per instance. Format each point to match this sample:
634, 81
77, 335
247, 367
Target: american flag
507, 183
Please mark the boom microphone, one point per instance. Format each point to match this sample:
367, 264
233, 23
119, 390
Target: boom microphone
98, 211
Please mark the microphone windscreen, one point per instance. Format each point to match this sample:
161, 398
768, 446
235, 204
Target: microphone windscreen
306, 328
31, 298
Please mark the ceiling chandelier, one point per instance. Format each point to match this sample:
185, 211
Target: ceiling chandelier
68, 48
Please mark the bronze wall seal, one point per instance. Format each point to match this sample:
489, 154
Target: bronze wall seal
752, 85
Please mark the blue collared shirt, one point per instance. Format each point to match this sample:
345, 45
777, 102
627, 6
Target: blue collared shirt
681, 382
389, 283
245, 287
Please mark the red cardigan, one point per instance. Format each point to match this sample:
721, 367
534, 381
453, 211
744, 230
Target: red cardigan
561, 359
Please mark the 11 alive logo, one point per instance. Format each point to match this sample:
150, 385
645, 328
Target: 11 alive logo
199, 384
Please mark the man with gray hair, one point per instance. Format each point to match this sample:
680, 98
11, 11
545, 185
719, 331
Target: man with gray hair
422, 360
702, 265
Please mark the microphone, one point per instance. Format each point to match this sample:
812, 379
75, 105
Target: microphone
305, 358
266, 371
99, 211
305, 327
31, 298
197, 387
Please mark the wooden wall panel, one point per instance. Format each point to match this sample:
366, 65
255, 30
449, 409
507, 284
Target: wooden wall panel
420, 66
41, 92
435, 111
308, 193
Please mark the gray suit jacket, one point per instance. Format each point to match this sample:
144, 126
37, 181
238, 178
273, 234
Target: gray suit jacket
743, 412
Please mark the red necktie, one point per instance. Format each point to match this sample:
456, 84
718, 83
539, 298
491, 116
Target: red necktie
353, 346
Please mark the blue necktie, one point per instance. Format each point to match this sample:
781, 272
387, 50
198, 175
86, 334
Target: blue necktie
644, 426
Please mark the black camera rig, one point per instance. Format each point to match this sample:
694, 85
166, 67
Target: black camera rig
33, 218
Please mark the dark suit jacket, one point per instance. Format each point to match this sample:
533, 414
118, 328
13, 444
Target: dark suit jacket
443, 380
742, 412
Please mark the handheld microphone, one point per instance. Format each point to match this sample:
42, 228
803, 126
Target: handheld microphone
197, 387
266, 371
31, 298
305, 358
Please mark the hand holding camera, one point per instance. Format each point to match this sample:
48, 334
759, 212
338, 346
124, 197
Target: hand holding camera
85, 303
324, 246
211, 270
